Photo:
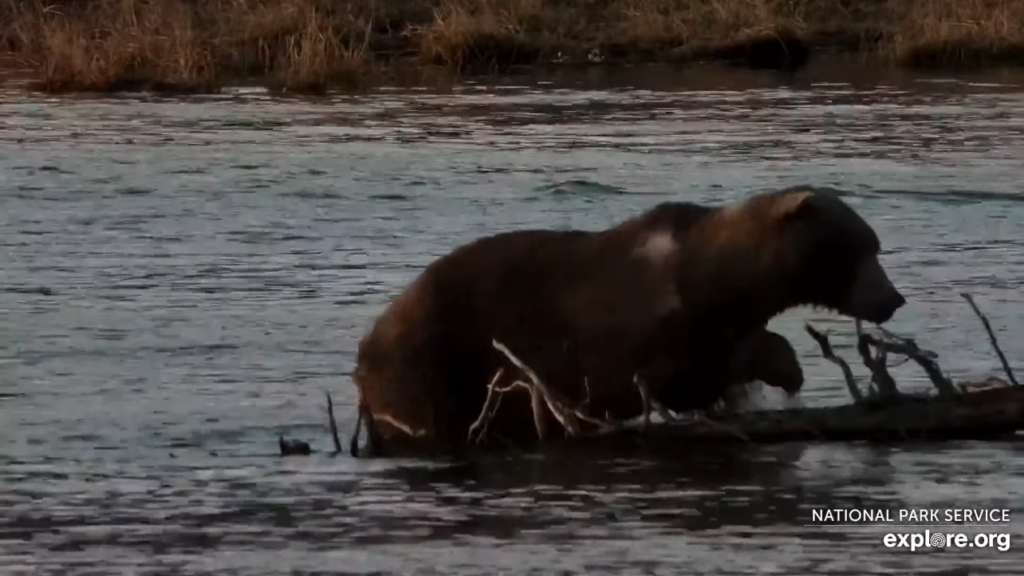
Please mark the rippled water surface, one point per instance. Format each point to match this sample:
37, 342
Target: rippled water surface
183, 279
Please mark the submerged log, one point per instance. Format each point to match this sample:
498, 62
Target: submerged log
989, 414
975, 415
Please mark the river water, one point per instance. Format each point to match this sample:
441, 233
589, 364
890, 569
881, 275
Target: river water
185, 278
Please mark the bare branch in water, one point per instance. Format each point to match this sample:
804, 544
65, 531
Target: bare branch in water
991, 337
649, 402
539, 392
541, 397
333, 424
353, 443
830, 355
479, 427
890, 335
540, 423
877, 364
645, 400
924, 358
372, 443
293, 447
662, 411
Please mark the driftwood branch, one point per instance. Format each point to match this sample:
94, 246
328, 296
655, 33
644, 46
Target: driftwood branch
982, 414
479, 428
541, 397
645, 400
353, 443
293, 447
333, 424
372, 446
649, 403
830, 355
890, 343
540, 393
991, 337
697, 418
566, 415
924, 358
877, 364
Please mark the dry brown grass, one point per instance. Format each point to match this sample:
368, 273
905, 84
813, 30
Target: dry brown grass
958, 32
476, 34
158, 45
310, 45
468, 33
182, 45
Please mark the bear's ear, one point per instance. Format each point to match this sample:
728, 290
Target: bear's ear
796, 205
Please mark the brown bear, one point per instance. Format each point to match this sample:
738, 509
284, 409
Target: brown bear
770, 358
668, 296
761, 356
766, 357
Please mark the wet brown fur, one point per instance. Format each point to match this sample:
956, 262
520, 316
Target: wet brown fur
770, 358
761, 355
602, 306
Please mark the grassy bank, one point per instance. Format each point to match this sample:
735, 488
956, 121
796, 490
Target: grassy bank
310, 45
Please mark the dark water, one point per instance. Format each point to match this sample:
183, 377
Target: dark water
183, 279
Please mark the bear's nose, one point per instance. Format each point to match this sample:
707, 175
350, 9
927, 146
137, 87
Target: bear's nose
898, 301
895, 302
888, 306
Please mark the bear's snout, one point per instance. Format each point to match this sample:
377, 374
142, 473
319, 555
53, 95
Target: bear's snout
873, 297
886, 307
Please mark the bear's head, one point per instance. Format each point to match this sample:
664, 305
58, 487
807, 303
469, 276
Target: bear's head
816, 250
770, 358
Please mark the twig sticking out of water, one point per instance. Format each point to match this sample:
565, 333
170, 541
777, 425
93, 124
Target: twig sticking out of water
696, 417
894, 344
568, 417
333, 424
991, 337
645, 400
649, 403
479, 427
877, 364
830, 355
293, 447
353, 443
371, 433
540, 395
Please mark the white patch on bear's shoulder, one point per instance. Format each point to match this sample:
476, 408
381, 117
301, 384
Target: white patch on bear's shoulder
657, 247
